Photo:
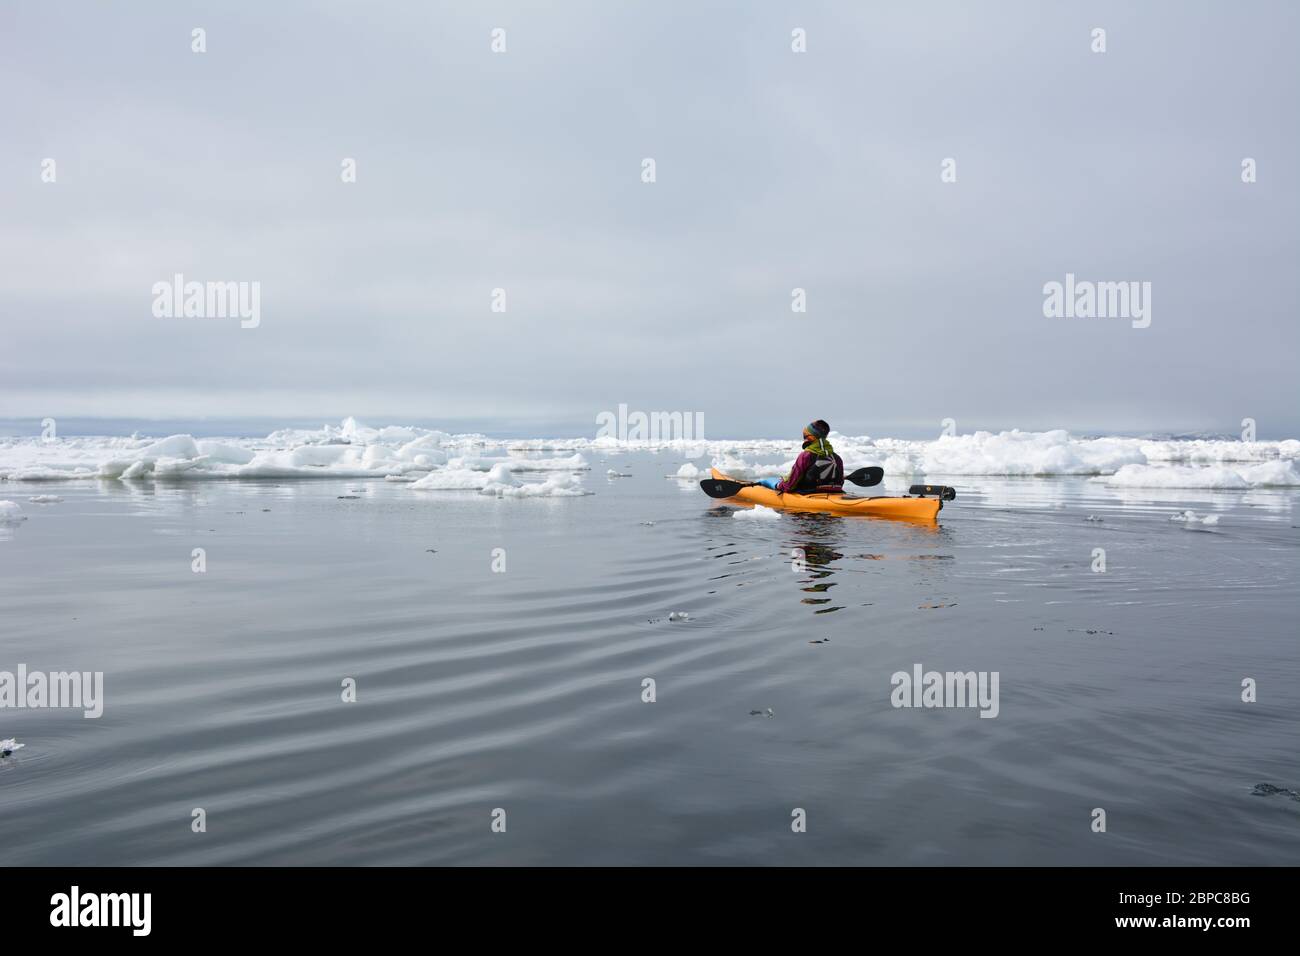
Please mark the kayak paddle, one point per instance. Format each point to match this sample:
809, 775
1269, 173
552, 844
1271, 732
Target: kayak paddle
721, 488
866, 477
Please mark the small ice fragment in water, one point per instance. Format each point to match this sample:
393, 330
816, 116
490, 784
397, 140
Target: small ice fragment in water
45, 499
10, 512
1093, 518
1191, 517
762, 713
8, 746
679, 616
617, 474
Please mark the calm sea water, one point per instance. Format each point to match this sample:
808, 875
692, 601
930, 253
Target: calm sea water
521, 690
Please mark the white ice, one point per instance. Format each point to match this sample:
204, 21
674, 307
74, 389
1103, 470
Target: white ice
1191, 517
433, 459
423, 458
1235, 476
757, 513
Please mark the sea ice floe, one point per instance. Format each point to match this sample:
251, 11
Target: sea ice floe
354, 451
422, 458
556, 486
1238, 477
756, 513
499, 481
1191, 517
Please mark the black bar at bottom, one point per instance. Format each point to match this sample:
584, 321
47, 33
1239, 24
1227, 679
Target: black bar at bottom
371, 905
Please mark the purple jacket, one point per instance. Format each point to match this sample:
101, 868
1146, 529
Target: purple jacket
804, 477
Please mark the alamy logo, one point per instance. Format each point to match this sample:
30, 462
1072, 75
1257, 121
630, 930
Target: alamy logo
948, 689
81, 690
652, 427
1083, 299
103, 909
179, 299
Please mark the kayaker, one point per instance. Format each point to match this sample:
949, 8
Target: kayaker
817, 469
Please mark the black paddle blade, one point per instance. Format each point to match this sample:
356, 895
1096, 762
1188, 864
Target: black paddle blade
866, 477
718, 488
942, 492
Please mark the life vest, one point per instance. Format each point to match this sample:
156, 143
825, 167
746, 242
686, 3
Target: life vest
825, 469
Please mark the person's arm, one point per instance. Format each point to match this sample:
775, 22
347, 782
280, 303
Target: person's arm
796, 473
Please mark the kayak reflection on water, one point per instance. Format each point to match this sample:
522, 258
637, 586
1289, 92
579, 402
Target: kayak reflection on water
817, 547
813, 556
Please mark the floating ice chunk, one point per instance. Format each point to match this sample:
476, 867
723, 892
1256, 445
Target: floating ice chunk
114, 468
11, 513
739, 468
1270, 473
45, 499
757, 513
1027, 453
323, 456
54, 473
1190, 517
425, 451
679, 616
1176, 476
225, 453
901, 464
9, 745
174, 446
457, 479
556, 486
572, 463
688, 471
176, 467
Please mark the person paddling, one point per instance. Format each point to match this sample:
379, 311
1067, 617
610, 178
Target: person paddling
817, 469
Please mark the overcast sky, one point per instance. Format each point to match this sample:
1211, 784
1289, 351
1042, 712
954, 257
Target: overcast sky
775, 170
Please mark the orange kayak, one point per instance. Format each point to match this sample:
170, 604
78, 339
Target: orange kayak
908, 508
